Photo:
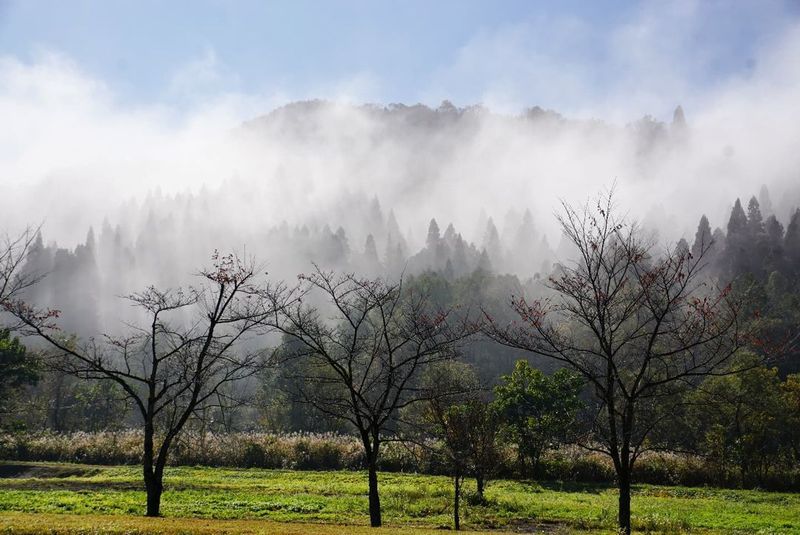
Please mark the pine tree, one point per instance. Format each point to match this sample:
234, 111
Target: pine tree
433, 235
484, 262
736, 243
392, 227
90, 240
460, 265
755, 221
679, 118
38, 263
679, 128
342, 245
449, 234
702, 238
756, 247
375, 222
765, 201
774, 240
737, 224
791, 242
372, 265
774, 229
388, 256
395, 254
449, 271
491, 242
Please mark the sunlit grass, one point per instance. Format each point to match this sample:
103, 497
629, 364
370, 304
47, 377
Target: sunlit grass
409, 500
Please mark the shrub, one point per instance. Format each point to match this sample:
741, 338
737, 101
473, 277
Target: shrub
330, 451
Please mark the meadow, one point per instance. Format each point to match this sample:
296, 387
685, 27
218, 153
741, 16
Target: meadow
75, 498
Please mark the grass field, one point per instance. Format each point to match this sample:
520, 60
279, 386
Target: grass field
62, 498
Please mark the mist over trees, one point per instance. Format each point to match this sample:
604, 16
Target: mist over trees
679, 337
389, 196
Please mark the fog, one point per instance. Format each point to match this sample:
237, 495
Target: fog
169, 183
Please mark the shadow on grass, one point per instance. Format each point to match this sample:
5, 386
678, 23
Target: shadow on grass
78, 485
46, 471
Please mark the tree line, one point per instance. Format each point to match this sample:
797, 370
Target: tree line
638, 332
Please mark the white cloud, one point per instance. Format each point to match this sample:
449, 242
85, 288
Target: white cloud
71, 151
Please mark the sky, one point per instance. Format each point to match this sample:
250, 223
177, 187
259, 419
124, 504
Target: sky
103, 102
606, 58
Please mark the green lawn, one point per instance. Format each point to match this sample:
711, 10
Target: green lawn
44, 494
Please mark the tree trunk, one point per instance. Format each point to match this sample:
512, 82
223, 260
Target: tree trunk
535, 464
523, 466
154, 484
374, 498
57, 405
480, 482
624, 466
624, 501
152, 476
456, 501
154, 489
371, 442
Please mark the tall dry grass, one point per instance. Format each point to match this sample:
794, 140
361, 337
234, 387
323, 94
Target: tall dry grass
329, 451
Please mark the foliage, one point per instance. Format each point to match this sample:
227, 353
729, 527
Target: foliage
743, 418
538, 410
464, 435
17, 369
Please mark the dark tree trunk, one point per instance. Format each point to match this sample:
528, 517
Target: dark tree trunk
523, 466
371, 442
480, 481
625, 501
154, 484
154, 488
456, 502
153, 476
624, 467
374, 497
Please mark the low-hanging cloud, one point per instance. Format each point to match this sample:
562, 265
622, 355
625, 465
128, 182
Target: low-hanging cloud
74, 153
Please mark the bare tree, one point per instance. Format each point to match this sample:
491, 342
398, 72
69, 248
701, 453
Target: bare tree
195, 342
638, 325
363, 363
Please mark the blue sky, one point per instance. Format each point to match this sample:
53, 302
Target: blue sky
109, 99
566, 55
